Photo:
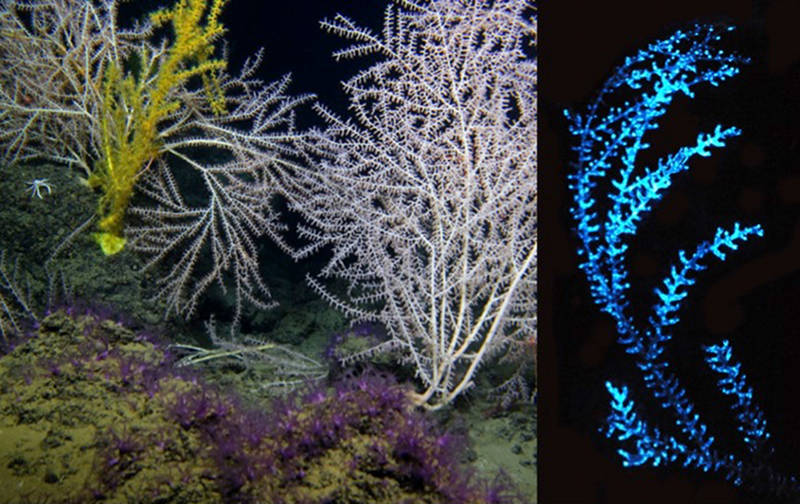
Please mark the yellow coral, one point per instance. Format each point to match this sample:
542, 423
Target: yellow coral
134, 104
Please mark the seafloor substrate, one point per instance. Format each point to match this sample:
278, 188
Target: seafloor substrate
91, 411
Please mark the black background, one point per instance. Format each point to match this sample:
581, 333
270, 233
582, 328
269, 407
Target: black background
753, 298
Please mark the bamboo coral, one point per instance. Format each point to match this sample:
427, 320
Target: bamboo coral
135, 105
122, 105
429, 200
609, 140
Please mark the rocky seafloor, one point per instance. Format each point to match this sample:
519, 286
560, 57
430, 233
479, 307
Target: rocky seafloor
91, 411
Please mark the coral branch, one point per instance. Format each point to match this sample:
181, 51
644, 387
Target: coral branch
428, 199
123, 106
610, 138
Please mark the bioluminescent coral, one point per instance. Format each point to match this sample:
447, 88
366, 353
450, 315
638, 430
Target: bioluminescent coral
610, 136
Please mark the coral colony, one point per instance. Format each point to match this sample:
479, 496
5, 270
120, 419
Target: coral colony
430, 193
426, 198
133, 109
126, 425
609, 139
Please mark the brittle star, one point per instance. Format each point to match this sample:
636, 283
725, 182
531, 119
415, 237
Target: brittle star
36, 185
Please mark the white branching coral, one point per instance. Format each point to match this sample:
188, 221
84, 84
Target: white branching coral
197, 162
428, 198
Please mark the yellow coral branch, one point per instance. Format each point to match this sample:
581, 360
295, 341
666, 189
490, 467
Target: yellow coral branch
134, 107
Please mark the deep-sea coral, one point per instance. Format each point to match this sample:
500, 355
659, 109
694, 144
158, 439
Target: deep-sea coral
125, 425
363, 441
610, 138
428, 198
15, 310
141, 107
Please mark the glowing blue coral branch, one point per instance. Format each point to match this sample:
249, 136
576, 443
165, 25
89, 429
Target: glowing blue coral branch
733, 382
618, 134
633, 198
752, 425
648, 346
679, 278
670, 66
652, 447
611, 137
